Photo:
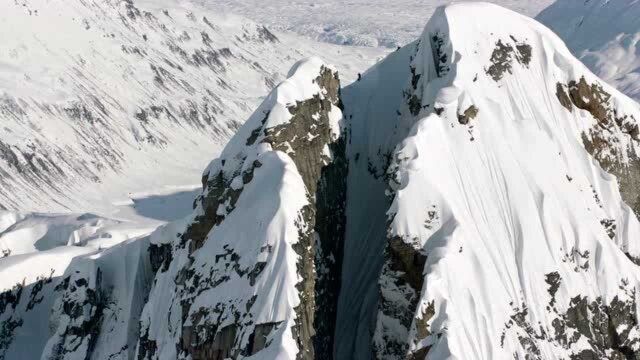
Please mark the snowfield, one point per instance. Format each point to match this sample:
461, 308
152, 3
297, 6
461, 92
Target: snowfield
103, 98
373, 23
473, 195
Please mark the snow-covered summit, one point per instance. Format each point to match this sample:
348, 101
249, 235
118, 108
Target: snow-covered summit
472, 196
507, 218
263, 218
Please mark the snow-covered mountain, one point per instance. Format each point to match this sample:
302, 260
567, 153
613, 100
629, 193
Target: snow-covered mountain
604, 34
101, 98
472, 196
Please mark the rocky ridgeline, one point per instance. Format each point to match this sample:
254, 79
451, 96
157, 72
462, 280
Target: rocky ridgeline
484, 251
130, 78
235, 327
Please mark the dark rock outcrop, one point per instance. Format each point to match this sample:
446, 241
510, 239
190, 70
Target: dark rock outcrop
607, 328
310, 140
603, 141
82, 302
402, 276
504, 55
325, 180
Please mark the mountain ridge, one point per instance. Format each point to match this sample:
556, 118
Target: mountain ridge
133, 92
471, 196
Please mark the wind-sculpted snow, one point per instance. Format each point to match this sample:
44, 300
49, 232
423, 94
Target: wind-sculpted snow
472, 196
506, 236
87, 272
30, 233
101, 96
250, 269
604, 34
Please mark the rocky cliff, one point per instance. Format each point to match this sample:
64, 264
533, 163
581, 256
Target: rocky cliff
472, 196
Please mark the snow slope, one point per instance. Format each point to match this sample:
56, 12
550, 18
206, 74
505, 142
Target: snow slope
256, 218
504, 224
132, 96
357, 22
604, 34
473, 196
209, 290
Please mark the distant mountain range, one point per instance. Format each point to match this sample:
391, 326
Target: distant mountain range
98, 98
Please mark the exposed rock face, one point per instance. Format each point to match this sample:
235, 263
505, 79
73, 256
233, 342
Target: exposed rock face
614, 139
470, 113
400, 286
469, 215
607, 328
219, 194
504, 54
306, 138
17, 301
96, 304
82, 307
160, 257
211, 273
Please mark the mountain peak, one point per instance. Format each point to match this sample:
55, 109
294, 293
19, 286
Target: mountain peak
472, 195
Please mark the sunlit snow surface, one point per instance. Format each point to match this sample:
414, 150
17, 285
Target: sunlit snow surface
102, 98
517, 198
604, 34
494, 205
356, 22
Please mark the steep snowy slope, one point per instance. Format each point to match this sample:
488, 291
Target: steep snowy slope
101, 292
243, 273
254, 270
101, 98
473, 196
38, 249
604, 34
507, 233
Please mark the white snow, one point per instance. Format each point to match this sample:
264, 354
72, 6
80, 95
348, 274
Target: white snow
101, 99
39, 243
375, 23
604, 34
494, 205
508, 213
